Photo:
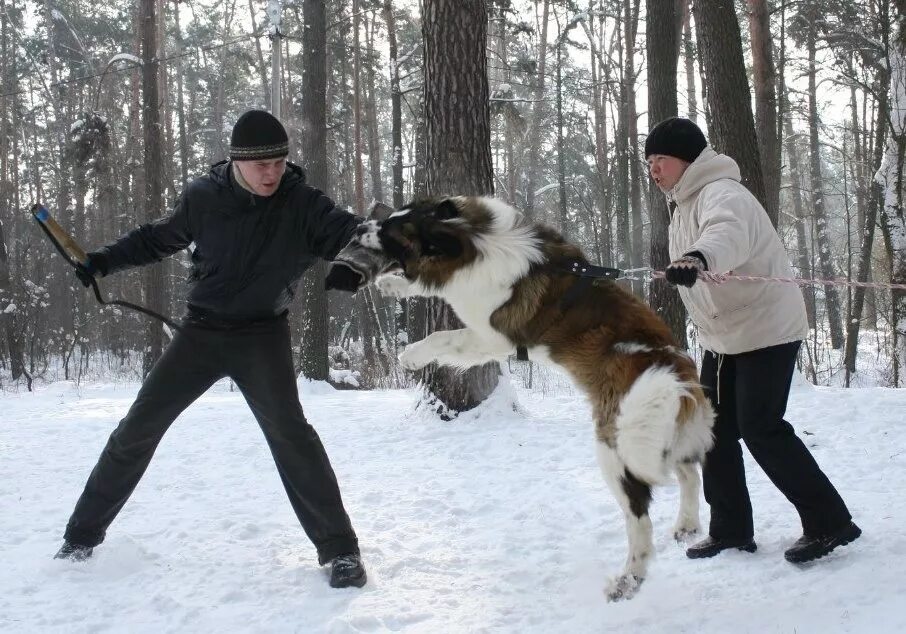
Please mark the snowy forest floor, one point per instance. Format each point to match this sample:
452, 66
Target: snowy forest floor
497, 522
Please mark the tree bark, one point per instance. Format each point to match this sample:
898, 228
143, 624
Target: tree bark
765, 79
534, 132
663, 47
732, 127
822, 237
396, 116
315, 336
153, 163
892, 179
458, 121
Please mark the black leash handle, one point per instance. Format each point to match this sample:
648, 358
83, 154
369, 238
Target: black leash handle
76, 257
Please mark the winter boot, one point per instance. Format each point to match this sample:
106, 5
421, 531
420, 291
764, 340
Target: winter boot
74, 552
811, 547
711, 546
347, 570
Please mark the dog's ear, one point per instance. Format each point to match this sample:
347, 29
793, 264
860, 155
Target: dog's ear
446, 210
441, 243
379, 211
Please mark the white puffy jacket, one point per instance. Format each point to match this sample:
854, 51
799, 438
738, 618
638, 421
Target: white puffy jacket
718, 217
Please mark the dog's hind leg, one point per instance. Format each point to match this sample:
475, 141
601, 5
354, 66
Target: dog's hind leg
687, 523
634, 497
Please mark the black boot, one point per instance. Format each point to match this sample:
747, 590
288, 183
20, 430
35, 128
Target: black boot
347, 570
711, 546
74, 552
809, 548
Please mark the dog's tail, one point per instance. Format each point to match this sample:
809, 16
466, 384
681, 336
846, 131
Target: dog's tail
662, 419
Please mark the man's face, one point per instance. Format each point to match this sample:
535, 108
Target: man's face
666, 170
263, 176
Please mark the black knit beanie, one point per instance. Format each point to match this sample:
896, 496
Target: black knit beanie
676, 137
258, 135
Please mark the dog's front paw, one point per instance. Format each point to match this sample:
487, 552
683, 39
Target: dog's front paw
623, 587
685, 531
415, 357
393, 285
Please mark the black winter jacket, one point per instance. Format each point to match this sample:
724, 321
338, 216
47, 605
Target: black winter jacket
250, 251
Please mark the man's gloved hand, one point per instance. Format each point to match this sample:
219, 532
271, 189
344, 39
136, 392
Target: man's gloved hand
685, 271
95, 267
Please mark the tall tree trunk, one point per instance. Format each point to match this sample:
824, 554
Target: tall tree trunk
822, 237
396, 116
631, 15
180, 104
663, 53
731, 128
689, 61
261, 66
621, 151
892, 178
598, 73
357, 108
563, 215
765, 79
315, 336
153, 163
458, 151
803, 260
374, 132
534, 131
7, 105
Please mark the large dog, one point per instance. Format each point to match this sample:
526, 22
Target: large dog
512, 284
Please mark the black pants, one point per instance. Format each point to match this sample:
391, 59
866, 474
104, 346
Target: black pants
749, 392
258, 358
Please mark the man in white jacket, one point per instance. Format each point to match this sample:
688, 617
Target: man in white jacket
751, 333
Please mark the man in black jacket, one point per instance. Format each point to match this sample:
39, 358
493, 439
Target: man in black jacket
256, 227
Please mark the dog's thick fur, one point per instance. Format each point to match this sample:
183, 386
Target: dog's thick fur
505, 280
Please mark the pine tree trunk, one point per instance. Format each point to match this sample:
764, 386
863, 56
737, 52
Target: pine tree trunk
764, 80
732, 127
562, 216
261, 66
7, 105
803, 260
662, 46
631, 14
153, 163
689, 61
359, 176
396, 117
374, 133
822, 237
315, 336
621, 154
598, 66
534, 132
458, 153
180, 105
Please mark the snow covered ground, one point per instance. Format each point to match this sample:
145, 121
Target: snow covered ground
498, 522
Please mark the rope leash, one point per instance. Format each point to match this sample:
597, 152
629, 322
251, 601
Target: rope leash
720, 278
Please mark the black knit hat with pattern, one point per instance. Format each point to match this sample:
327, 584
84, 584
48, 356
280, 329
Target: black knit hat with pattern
676, 137
258, 135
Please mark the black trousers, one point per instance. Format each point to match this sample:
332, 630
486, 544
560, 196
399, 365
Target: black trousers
749, 392
258, 358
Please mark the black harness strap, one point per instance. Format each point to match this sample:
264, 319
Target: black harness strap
587, 274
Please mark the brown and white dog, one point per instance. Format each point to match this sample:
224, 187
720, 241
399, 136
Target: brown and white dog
508, 280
